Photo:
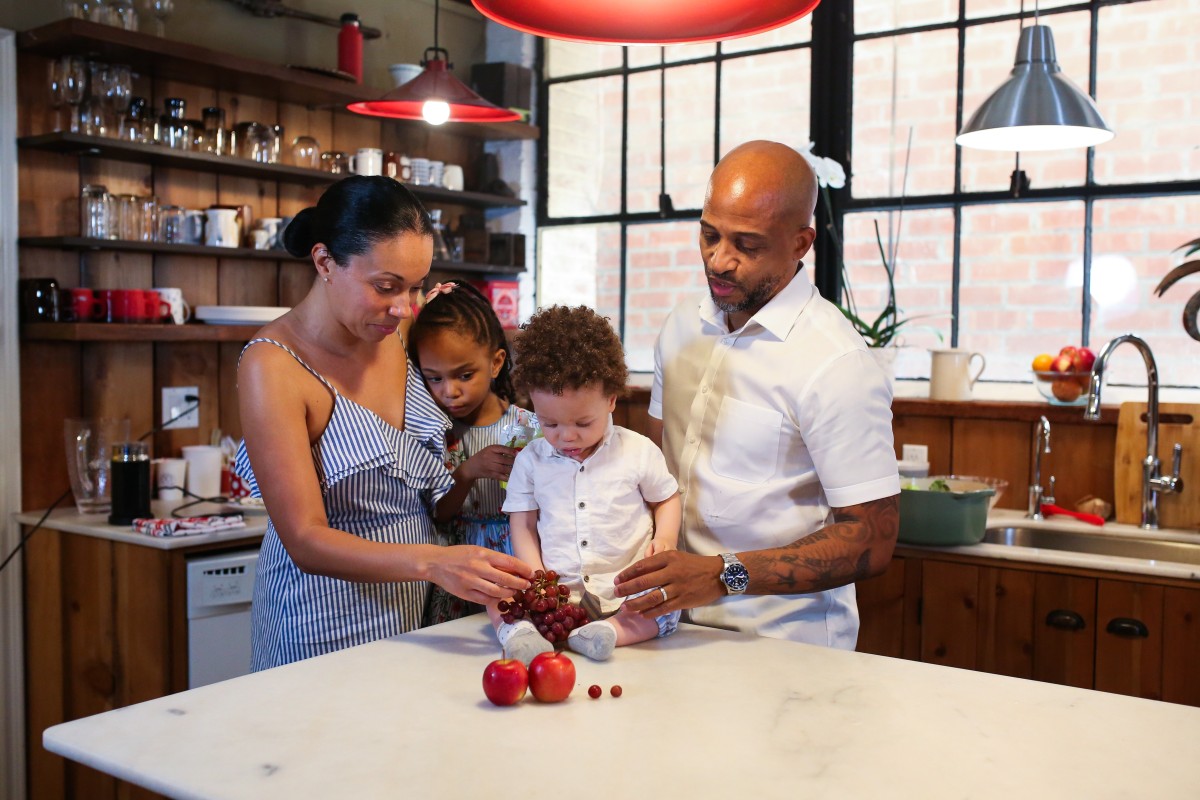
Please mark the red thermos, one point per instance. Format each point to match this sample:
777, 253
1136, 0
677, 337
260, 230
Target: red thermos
350, 47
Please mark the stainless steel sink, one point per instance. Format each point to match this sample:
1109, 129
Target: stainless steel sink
1073, 541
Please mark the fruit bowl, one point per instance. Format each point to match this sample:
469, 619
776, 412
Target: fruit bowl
1063, 388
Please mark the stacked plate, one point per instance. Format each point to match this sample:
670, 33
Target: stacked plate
239, 315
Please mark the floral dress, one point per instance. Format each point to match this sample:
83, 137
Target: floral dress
480, 522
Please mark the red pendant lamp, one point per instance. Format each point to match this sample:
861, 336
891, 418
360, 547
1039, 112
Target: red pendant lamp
644, 21
435, 95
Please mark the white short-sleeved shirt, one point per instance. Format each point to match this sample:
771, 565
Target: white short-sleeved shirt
766, 428
593, 520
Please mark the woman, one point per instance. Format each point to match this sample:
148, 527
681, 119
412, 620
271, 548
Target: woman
344, 443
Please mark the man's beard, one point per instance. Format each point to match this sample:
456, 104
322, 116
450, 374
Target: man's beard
753, 298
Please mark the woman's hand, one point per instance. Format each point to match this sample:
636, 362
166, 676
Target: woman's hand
479, 575
494, 461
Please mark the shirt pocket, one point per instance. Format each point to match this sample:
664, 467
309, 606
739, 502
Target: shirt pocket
746, 441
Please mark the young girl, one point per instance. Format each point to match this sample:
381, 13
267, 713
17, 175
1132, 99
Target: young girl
459, 346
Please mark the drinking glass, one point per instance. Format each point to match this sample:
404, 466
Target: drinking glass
170, 224
96, 216
71, 82
124, 15
159, 11
214, 130
57, 94
76, 9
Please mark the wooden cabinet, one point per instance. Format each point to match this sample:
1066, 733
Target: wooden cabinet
1113, 633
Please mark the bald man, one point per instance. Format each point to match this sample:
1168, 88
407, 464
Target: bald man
776, 422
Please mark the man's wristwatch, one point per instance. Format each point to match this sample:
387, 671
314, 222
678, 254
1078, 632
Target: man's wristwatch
734, 575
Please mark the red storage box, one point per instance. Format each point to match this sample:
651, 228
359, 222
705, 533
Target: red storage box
505, 299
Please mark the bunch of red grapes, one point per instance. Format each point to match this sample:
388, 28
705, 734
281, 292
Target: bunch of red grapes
547, 605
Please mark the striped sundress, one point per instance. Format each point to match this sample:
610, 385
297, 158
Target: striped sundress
378, 482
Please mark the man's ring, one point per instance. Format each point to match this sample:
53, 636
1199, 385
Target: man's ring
664, 593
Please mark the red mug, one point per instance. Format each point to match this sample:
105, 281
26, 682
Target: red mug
154, 309
123, 305
85, 305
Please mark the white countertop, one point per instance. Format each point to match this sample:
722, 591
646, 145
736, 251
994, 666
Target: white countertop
69, 520
1011, 518
705, 713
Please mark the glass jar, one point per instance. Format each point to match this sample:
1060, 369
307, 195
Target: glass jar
214, 130
171, 220
306, 152
173, 128
95, 207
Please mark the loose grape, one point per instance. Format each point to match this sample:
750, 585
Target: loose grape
594, 691
615, 691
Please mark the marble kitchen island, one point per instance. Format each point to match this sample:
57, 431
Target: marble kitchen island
704, 713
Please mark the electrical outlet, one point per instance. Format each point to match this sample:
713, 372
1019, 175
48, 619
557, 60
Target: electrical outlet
914, 452
174, 402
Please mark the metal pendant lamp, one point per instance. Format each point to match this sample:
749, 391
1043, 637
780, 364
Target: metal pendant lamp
435, 95
1037, 108
644, 21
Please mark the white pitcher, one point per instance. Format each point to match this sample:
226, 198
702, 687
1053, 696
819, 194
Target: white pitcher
950, 375
221, 227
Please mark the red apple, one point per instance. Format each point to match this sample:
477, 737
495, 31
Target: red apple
505, 681
1084, 359
551, 677
1063, 363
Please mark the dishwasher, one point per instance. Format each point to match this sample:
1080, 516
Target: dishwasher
219, 591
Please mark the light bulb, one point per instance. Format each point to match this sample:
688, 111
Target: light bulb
435, 112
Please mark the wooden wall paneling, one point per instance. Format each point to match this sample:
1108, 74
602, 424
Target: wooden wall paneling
1129, 665
227, 393
142, 584
35, 113
118, 383
351, 131
188, 364
881, 612
48, 194
933, 432
1081, 462
996, 449
51, 392
196, 276
1064, 656
298, 120
914, 571
45, 660
295, 282
950, 614
1181, 646
1006, 622
91, 668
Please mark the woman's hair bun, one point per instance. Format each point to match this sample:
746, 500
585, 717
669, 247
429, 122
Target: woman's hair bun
298, 235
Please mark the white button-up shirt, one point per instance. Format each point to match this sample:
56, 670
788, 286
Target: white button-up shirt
593, 520
766, 428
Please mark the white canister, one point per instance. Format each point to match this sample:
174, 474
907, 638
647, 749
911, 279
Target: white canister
204, 464
950, 375
367, 161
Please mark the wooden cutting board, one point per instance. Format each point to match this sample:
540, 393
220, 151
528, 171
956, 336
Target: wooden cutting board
1178, 422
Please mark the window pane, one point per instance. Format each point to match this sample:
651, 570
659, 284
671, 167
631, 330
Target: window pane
989, 54
643, 56
642, 148
1146, 89
585, 155
662, 268
796, 32
1015, 296
924, 274
766, 97
575, 58
886, 15
995, 8
690, 133
581, 265
920, 71
1133, 246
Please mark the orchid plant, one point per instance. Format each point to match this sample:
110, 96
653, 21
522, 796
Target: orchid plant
882, 331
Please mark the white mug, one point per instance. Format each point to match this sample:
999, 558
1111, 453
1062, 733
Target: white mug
452, 177
180, 310
204, 463
950, 375
170, 475
367, 161
420, 171
221, 227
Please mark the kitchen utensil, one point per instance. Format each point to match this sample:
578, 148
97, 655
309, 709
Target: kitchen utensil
96, 213
130, 476
214, 130
1177, 422
239, 315
950, 375
89, 458
954, 517
1050, 510
999, 484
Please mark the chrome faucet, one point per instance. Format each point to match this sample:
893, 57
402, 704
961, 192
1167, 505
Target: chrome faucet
1153, 482
1041, 444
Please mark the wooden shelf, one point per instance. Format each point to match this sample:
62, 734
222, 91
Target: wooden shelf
225, 72
84, 244
134, 332
159, 156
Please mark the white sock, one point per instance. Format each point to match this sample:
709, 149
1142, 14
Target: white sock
595, 640
522, 641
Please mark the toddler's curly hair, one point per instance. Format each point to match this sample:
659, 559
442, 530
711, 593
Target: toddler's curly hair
563, 347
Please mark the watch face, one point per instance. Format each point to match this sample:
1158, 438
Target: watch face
736, 577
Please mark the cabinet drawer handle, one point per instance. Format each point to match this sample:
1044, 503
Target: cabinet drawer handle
1065, 620
1128, 628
